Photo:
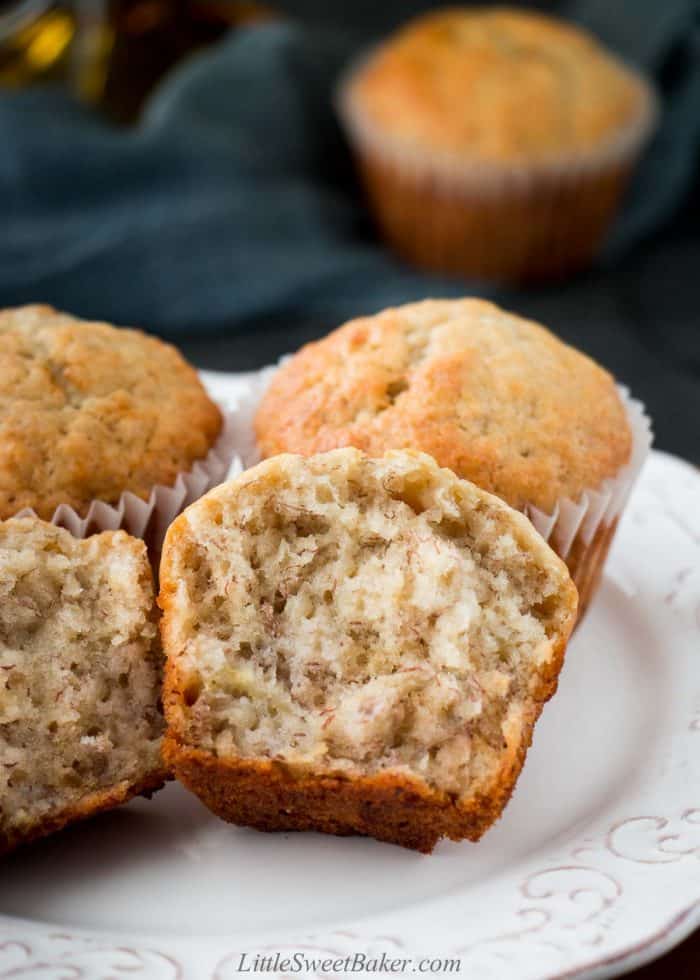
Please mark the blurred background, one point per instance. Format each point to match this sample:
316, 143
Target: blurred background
179, 166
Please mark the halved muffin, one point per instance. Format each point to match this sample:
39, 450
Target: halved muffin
80, 676
358, 645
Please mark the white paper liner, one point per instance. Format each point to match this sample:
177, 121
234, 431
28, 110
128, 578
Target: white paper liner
149, 519
598, 508
489, 176
568, 520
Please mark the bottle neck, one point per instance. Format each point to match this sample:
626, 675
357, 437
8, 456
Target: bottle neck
15, 17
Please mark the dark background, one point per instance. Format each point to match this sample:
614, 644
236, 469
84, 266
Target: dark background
230, 221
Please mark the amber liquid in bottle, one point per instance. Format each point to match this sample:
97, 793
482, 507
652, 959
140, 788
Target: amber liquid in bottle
35, 42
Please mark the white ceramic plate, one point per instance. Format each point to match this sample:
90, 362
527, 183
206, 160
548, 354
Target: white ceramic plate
593, 869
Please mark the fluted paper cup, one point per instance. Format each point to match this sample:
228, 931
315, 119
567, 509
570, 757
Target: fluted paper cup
500, 221
150, 518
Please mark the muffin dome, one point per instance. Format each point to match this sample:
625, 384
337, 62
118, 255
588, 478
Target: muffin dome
497, 86
498, 399
88, 411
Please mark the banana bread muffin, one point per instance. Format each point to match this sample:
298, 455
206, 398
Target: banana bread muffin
498, 399
80, 674
358, 645
88, 411
495, 142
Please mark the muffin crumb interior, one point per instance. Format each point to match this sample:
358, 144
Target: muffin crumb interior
357, 618
79, 670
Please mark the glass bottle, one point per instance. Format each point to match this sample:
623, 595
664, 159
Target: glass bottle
36, 38
124, 47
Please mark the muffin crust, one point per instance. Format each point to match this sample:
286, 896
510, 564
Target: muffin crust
496, 398
496, 86
88, 411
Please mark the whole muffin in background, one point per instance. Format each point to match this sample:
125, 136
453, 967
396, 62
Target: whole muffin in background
496, 398
358, 645
495, 143
80, 677
88, 411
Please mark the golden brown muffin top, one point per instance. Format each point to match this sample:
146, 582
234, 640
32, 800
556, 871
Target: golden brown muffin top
496, 85
88, 410
498, 399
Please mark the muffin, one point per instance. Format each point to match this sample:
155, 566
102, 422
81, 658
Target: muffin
358, 646
498, 399
89, 411
80, 675
495, 143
